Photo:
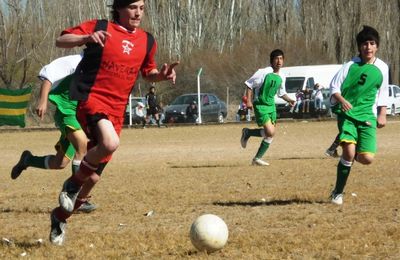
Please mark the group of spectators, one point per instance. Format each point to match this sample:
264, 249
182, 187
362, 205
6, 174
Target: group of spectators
304, 98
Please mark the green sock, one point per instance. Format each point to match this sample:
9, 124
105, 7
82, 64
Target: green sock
263, 148
36, 161
343, 173
255, 132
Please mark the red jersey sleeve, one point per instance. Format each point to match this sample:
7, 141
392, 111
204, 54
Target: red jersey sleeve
82, 29
151, 63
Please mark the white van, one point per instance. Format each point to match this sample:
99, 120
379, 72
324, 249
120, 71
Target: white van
302, 77
393, 106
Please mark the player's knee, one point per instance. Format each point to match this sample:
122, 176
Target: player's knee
110, 145
94, 178
365, 158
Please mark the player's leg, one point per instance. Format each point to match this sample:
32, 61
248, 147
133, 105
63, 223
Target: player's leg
348, 136
366, 146
269, 132
332, 150
107, 141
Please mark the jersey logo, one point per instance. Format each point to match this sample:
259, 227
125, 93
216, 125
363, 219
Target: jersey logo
127, 47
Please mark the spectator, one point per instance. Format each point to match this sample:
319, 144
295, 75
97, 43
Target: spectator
152, 106
243, 112
306, 100
299, 101
138, 115
318, 98
192, 112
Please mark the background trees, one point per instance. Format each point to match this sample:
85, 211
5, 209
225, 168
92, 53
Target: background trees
229, 39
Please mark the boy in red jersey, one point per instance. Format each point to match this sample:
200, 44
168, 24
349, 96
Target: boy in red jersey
116, 52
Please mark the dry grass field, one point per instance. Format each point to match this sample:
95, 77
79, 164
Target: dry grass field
276, 212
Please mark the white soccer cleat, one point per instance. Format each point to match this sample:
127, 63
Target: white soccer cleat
337, 198
57, 230
259, 162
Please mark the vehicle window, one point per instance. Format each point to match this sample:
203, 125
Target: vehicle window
396, 90
294, 83
213, 99
187, 99
310, 83
390, 92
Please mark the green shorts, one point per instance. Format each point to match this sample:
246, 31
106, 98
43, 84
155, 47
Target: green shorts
264, 114
359, 133
66, 124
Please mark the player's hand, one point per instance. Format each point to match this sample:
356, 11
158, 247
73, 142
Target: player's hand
346, 106
381, 121
167, 72
98, 37
41, 109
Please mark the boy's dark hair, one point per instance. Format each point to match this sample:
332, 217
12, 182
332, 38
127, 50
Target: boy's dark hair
119, 4
275, 53
367, 34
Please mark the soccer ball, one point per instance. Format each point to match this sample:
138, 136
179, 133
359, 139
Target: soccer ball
209, 233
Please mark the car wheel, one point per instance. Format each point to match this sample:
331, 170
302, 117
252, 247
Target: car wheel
220, 118
393, 110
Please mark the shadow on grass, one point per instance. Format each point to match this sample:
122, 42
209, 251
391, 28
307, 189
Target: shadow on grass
266, 203
202, 166
25, 210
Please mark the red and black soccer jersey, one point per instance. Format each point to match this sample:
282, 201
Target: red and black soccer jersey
122, 57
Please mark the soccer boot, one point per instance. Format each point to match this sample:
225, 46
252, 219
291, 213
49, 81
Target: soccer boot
245, 137
336, 198
21, 165
332, 153
259, 162
68, 196
57, 230
87, 207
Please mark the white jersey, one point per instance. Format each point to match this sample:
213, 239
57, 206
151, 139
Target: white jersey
256, 81
383, 92
58, 69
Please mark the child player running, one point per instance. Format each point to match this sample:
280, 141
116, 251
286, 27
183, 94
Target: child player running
263, 86
355, 90
56, 78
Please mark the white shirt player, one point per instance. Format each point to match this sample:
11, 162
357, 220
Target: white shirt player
256, 81
383, 92
58, 69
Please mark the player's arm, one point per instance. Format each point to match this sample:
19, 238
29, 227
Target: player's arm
41, 108
381, 116
335, 88
249, 95
288, 99
71, 40
167, 72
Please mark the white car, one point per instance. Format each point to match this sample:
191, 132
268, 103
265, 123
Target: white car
393, 106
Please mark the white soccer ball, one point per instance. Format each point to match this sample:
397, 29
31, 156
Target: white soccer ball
209, 233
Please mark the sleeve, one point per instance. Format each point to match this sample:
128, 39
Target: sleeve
82, 29
282, 88
256, 80
150, 63
383, 92
337, 81
59, 69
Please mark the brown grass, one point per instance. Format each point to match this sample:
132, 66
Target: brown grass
183, 172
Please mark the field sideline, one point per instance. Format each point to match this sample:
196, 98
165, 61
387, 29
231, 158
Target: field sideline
276, 212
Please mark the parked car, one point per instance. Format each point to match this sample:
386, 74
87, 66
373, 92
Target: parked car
212, 108
393, 106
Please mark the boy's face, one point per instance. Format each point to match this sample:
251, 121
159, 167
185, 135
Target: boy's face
368, 50
277, 62
131, 15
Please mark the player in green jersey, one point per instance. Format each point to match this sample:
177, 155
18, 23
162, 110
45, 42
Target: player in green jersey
357, 91
56, 78
262, 88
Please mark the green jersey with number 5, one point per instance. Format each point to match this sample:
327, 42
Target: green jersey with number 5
360, 88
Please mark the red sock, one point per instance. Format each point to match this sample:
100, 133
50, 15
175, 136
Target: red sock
86, 169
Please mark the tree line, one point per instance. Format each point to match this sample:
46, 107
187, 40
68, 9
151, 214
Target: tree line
228, 39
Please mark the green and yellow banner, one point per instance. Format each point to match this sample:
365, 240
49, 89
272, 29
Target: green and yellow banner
13, 104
